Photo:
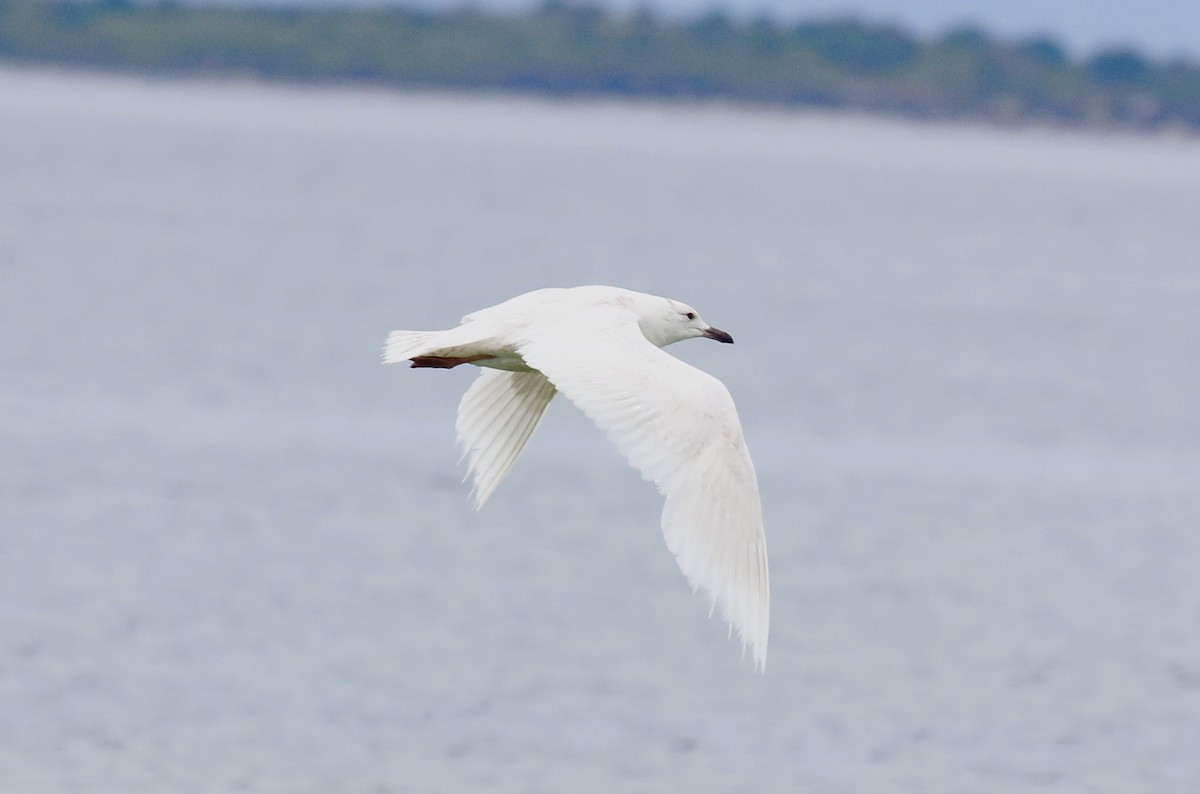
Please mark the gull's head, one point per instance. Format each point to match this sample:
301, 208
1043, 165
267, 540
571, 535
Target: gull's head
666, 321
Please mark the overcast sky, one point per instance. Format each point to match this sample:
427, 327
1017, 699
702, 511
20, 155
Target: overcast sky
1158, 27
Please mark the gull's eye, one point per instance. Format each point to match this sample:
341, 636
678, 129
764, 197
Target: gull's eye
690, 315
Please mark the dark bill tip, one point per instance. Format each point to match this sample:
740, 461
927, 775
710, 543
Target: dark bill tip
719, 335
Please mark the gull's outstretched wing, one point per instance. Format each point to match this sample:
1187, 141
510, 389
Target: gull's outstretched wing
495, 419
679, 427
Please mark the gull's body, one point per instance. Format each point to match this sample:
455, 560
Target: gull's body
600, 346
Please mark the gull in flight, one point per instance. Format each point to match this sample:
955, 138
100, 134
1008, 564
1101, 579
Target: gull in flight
601, 347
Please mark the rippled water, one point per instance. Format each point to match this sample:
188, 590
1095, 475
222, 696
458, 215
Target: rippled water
235, 554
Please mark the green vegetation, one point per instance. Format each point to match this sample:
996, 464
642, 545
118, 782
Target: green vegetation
569, 48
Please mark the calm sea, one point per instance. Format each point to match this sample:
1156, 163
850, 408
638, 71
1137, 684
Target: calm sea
236, 555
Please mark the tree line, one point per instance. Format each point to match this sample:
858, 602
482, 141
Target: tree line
577, 48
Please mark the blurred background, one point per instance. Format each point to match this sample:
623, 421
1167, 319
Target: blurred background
956, 245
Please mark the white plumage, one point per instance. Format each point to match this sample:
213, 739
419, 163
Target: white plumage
600, 346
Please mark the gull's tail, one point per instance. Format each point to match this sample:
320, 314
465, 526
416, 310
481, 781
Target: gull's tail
404, 345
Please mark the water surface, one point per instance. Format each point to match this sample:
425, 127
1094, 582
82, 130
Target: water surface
235, 554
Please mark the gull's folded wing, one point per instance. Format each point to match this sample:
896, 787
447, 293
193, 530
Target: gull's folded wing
679, 427
495, 419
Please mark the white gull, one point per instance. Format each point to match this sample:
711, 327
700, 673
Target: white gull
600, 346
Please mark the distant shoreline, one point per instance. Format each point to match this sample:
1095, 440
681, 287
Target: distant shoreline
733, 107
571, 51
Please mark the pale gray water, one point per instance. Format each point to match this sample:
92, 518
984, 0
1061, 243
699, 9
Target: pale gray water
235, 554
